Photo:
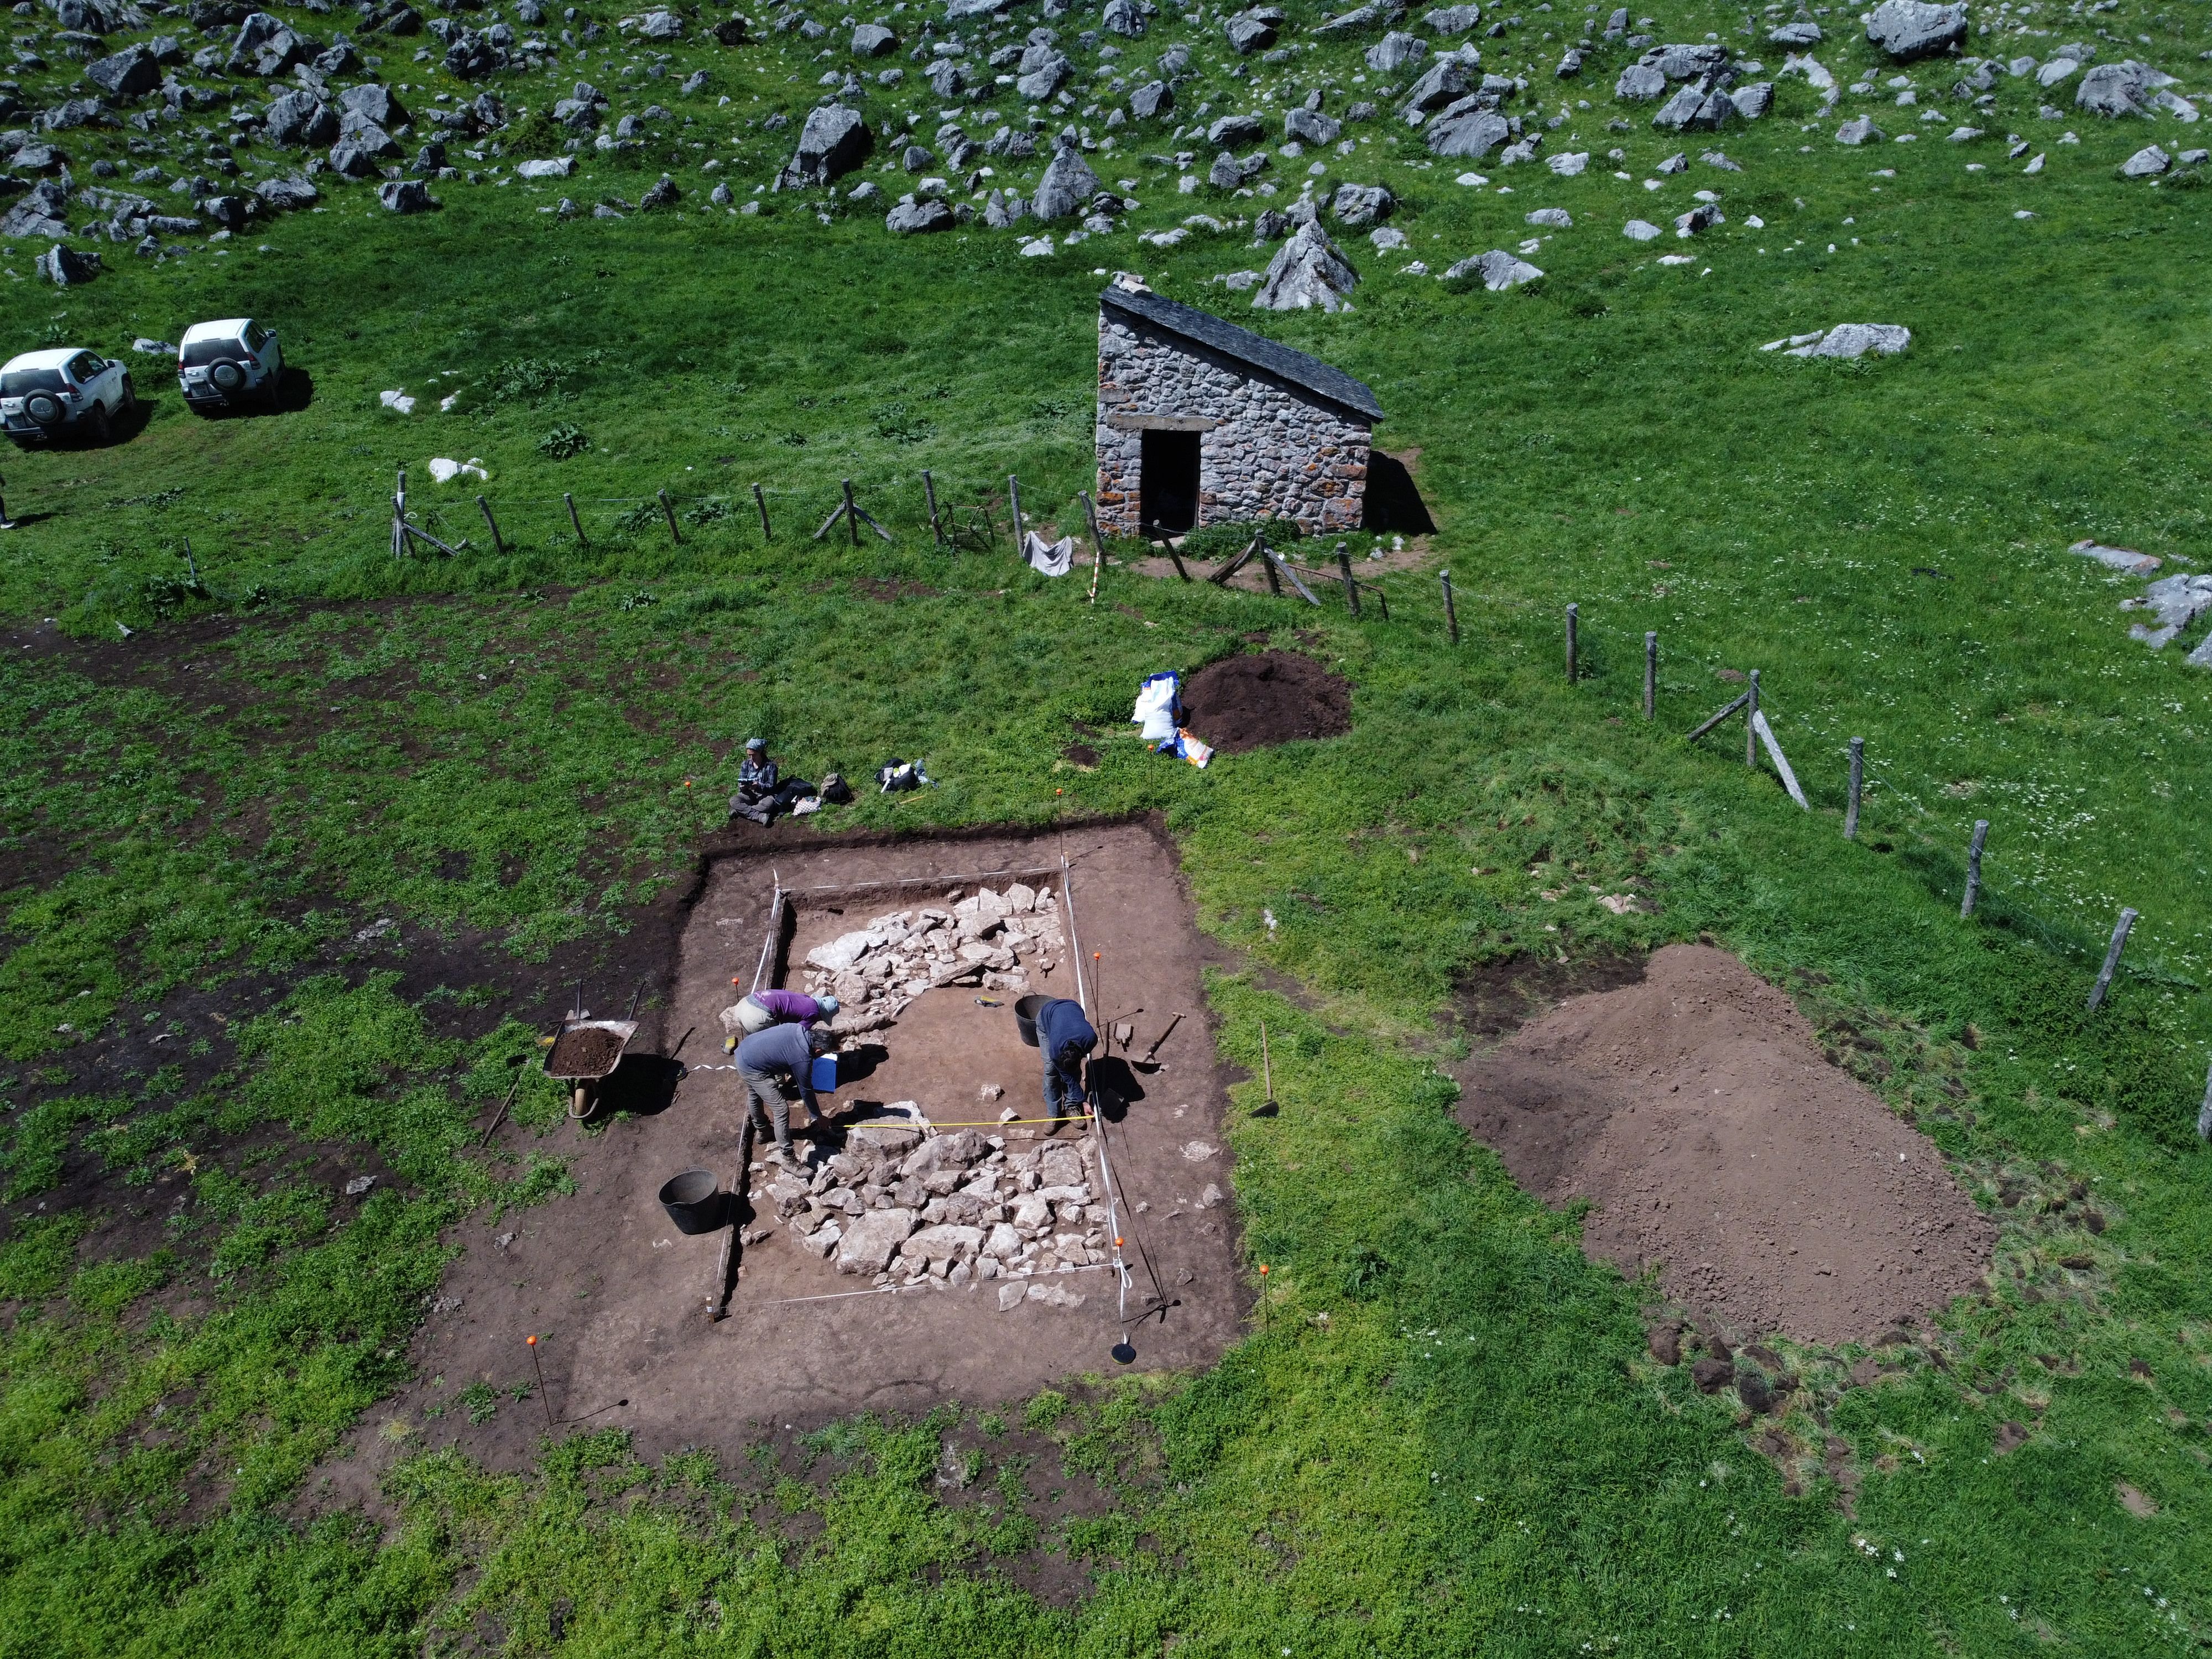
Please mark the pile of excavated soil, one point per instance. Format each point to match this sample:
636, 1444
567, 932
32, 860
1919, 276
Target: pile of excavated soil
1266, 698
1698, 1114
584, 1053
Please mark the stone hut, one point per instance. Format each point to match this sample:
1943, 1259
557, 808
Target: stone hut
1200, 421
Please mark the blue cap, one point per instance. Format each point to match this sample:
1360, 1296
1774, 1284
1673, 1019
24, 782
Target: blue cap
826, 1005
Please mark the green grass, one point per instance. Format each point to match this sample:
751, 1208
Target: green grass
1442, 1434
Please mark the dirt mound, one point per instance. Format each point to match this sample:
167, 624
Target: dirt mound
1697, 1111
1266, 698
584, 1053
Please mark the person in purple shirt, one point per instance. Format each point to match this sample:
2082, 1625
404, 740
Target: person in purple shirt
765, 1008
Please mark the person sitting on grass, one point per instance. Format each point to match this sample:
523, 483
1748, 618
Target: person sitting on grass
774, 1064
762, 1008
762, 792
1066, 1039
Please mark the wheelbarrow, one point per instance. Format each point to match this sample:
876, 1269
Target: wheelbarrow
583, 1052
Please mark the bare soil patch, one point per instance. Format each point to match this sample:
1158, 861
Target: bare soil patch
1697, 1112
619, 1297
1266, 697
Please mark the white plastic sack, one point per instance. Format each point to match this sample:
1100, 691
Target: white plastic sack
1155, 712
1053, 558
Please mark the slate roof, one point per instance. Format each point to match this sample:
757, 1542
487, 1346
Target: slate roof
1310, 373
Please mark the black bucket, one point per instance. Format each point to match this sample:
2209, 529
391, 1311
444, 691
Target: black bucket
694, 1202
1025, 1013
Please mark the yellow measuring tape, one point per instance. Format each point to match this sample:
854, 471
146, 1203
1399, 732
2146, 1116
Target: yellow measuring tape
932, 1123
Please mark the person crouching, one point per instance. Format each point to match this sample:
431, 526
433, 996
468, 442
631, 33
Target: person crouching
775, 1065
1066, 1039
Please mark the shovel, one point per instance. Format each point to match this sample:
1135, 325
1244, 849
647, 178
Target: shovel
1267, 1107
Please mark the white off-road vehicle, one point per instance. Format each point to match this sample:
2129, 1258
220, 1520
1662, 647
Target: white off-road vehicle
229, 363
63, 392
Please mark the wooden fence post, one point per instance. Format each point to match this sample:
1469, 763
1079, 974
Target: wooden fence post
668, 513
1974, 868
1014, 500
574, 522
1451, 612
1574, 615
1750, 731
852, 518
760, 501
498, 545
929, 488
1651, 676
2204, 1112
2111, 959
1858, 780
1351, 586
399, 516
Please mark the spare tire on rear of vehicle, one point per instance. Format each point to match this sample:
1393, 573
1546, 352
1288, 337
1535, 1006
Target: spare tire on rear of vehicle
227, 377
43, 407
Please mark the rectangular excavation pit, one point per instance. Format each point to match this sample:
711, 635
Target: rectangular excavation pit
620, 1297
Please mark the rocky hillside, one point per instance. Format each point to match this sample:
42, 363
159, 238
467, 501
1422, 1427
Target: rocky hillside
158, 129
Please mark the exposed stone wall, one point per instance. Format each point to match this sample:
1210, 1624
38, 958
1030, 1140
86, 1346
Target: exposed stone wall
1274, 450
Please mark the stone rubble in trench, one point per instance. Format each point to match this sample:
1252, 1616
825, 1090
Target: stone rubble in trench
957, 1208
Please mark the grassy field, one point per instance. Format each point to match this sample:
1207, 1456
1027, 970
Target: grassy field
1442, 1434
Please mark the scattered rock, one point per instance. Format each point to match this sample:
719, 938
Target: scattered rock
1641, 230
1497, 269
1066, 188
1552, 218
1310, 271
2146, 163
873, 41
1395, 51
2123, 559
1466, 129
405, 196
1151, 100
1846, 340
65, 267
2175, 601
1358, 206
2112, 90
834, 140
558, 167
1910, 29
1664, 1341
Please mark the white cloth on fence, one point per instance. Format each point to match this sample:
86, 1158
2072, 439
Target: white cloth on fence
1053, 558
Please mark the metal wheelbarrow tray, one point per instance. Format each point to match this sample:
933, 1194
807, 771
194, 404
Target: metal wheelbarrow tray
582, 1056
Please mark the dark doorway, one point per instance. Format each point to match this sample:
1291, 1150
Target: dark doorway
1393, 502
1168, 484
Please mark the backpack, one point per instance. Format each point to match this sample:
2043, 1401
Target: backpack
836, 790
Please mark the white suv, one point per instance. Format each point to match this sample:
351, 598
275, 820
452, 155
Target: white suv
46, 394
222, 365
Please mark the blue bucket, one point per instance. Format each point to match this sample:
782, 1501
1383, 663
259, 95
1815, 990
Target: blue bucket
825, 1074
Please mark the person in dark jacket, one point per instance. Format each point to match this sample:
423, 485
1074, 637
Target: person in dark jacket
774, 1064
763, 790
1066, 1039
